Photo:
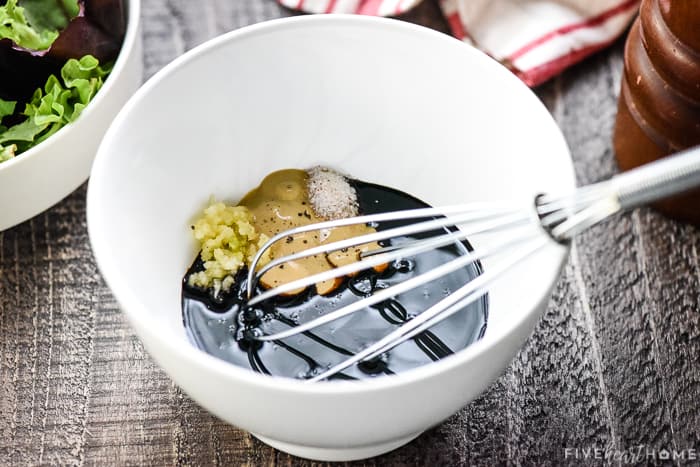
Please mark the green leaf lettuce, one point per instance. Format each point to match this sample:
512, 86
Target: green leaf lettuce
37, 23
58, 103
7, 108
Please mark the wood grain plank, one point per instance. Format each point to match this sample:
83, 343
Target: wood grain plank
541, 430
204, 21
163, 36
19, 344
9, 351
72, 309
171, 27
29, 330
669, 257
50, 329
476, 435
132, 416
204, 439
610, 262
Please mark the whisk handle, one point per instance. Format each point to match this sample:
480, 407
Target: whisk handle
657, 180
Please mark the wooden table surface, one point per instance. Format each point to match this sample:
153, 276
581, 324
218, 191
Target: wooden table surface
613, 364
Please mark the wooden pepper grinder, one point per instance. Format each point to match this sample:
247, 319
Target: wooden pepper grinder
659, 106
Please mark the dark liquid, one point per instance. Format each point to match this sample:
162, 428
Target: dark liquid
222, 328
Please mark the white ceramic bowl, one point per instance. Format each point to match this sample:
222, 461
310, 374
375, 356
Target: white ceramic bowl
383, 100
42, 176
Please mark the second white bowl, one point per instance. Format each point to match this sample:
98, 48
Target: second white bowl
40, 177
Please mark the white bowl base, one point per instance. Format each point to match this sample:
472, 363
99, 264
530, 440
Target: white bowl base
344, 454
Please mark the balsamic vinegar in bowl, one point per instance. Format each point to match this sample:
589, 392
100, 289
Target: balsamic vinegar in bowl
221, 325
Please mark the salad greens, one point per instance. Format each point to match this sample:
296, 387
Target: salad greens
54, 57
61, 101
36, 24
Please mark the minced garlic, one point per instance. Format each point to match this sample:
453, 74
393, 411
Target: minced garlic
228, 241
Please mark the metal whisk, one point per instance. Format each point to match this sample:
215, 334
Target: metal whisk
529, 230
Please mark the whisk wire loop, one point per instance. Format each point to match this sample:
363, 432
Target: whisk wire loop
376, 260
445, 308
412, 283
479, 211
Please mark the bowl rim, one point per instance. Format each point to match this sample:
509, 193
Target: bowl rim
128, 44
136, 311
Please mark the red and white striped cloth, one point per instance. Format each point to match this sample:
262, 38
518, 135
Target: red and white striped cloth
536, 39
